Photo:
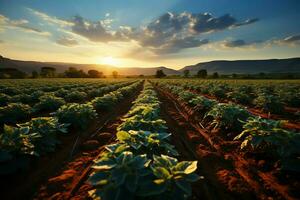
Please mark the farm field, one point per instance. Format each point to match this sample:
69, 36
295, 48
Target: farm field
149, 139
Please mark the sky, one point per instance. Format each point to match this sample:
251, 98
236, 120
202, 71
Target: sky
140, 33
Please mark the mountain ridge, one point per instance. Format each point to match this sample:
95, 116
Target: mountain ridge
288, 65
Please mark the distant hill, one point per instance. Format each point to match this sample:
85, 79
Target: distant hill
29, 66
291, 65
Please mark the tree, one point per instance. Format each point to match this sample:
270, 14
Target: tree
160, 74
186, 73
215, 75
34, 74
72, 72
48, 72
95, 74
115, 74
11, 73
202, 73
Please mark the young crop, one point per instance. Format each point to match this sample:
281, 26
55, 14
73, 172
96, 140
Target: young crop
118, 177
240, 97
145, 142
268, 136
47, 128
14, 112
228, 116
48, 103
171, 180
202, 104
269, 103
137, 122
75, 97
4, 99
78, 115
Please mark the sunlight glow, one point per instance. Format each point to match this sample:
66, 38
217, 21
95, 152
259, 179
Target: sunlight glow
108, 61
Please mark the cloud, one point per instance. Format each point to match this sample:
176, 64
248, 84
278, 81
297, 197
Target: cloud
290, 40
96, 31
65, 41
50, 19
21, 24
173, 32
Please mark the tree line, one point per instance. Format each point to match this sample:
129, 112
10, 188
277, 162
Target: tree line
50, 72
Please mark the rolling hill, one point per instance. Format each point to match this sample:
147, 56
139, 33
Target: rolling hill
290, 65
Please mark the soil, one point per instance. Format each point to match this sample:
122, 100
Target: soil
59, 168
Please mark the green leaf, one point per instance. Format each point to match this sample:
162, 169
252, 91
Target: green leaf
123, 135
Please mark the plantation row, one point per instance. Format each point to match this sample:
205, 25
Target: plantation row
270, 97
21, 143
43, 103
257, 135
139, 165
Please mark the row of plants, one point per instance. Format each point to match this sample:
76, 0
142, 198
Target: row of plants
270, 98
257, 135
15, 112
141, 163
20, 144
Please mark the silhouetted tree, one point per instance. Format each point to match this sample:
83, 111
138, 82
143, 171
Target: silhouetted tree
215, 75
202, 73
160, 74
48, 72
186, 73
115, 74
34, 74
95, 74
11, 73
234, 75
72, 72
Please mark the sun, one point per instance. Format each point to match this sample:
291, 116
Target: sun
108, 61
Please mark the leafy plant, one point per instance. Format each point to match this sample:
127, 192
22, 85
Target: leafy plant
48, 103
172, 179
47, 128
76, 97
14, 112
228, 116
269, 103
145, 142
137, 122
78, 115
118, 177
203, 104
4, 99
240, 97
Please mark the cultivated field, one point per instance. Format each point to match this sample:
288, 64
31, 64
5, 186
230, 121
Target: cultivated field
149, 139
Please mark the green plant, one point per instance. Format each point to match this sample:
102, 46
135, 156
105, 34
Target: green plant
172, 179
48, 103
268, 136
47, 128
269, 103
228, 116
203, 104
145, 142
76, 97
78, 115
137, 122
14, 112
4, 99
118, 177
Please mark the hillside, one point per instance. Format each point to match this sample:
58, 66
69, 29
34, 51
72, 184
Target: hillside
291, 65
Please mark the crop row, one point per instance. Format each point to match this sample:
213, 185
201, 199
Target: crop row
257, 135
267, 97
50, 102
139, 165
21, 144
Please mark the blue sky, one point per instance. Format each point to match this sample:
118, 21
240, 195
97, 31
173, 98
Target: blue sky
139, 33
